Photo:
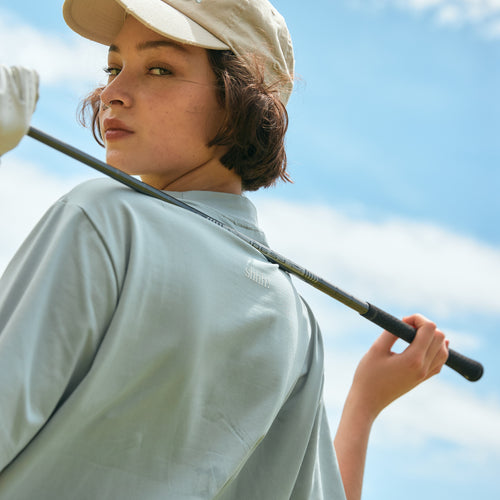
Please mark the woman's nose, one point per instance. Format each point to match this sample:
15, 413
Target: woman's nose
117, 92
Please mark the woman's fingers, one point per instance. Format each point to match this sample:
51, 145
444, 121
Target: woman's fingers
429, 348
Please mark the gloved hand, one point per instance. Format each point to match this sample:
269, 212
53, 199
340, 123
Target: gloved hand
18, 97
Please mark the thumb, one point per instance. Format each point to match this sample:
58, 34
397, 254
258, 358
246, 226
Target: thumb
385, 341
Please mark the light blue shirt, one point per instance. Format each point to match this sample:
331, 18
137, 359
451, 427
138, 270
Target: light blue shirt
146, 353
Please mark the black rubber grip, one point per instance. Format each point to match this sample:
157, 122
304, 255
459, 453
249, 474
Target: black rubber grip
468, 368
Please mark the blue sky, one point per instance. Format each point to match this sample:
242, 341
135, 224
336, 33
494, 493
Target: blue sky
393, 147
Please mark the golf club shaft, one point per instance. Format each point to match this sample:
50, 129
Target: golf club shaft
468, 368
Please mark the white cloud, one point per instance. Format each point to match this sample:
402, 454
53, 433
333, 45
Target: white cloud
419, 4
493, 29
61, 61
484, 14
401, 262
450, 14
468, 425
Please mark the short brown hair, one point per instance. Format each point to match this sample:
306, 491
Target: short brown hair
254, 126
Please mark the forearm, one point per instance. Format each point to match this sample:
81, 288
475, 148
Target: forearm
351, 443
381, 377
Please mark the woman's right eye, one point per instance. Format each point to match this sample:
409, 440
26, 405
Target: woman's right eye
111, 71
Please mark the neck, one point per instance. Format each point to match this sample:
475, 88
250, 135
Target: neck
214, 178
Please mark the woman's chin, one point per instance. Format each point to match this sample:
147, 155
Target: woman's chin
121, 163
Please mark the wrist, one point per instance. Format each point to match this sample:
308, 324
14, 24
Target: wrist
362, 407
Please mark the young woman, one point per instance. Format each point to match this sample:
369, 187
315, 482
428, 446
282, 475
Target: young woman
145, 353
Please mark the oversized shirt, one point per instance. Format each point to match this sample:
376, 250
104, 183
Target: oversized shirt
146, 353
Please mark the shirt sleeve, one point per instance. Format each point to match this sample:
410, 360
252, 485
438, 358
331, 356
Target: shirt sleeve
56, 299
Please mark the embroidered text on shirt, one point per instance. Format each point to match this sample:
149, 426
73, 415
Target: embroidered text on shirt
254, 275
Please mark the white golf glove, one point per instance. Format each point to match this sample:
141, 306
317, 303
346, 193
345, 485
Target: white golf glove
18, 97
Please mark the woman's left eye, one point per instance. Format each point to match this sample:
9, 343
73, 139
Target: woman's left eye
158, 71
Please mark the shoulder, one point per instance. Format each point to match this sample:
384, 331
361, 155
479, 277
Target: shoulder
119, 214
102, 191
107, 199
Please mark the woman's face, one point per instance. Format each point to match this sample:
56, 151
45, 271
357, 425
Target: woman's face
159, 111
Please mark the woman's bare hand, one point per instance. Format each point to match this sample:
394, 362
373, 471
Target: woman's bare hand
383, 376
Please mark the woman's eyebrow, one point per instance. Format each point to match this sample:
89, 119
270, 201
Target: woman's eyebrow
152, 44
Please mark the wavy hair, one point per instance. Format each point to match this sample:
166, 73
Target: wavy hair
254, 126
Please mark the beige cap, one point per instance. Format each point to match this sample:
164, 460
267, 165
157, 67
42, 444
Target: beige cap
247, 27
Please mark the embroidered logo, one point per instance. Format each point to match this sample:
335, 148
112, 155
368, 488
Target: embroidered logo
254, 275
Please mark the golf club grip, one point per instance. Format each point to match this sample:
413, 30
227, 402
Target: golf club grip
468, 368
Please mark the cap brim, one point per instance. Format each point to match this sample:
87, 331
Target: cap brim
101, 21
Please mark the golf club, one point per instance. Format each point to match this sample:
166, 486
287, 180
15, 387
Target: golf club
470, 369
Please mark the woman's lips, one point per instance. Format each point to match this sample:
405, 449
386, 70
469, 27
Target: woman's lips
115, 129
113, 134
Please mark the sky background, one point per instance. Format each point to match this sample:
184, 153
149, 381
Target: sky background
394, 150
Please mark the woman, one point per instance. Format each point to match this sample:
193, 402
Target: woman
144, 352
